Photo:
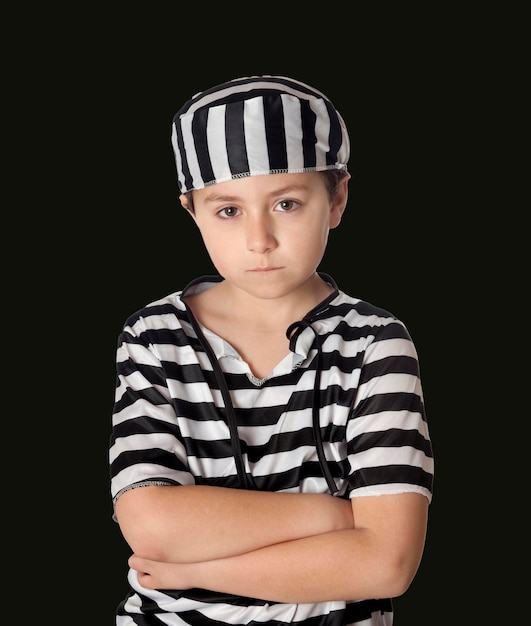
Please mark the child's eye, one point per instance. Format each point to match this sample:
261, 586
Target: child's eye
228, 211
287, 205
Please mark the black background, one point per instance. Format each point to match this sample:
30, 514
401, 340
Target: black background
108, 236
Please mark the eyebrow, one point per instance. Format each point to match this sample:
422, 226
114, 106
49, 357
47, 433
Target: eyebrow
214, 197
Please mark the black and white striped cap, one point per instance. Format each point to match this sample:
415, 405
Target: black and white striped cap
256, 125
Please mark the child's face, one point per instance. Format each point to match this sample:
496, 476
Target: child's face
267, 234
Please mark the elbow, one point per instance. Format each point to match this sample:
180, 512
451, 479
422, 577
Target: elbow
139, 525
386, 573
139, 536
398, 576
399, 584
142, 541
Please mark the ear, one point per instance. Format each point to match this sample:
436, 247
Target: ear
339, 203
184, 203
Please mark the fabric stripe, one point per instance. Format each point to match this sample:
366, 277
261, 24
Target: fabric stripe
322, 132
275, 133
190, 161
183, 173
216, 143
235, 143
335, 134
255, 136
200, 125
309, 140
293, 133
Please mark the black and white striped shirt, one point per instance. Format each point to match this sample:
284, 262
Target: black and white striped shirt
352, 367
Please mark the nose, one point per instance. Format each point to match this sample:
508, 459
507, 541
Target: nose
260, 235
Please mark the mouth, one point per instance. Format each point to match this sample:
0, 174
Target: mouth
263, 269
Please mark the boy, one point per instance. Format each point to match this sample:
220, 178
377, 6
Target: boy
270, 457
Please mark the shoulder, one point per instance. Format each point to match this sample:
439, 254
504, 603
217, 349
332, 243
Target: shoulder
361, 326
170, 309
169, 306
358, 312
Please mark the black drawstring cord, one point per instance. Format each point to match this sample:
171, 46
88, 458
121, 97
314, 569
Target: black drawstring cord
245, 479
323, 463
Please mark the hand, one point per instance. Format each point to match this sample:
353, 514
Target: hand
159, 575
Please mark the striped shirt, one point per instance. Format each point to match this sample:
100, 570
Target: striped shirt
343, 413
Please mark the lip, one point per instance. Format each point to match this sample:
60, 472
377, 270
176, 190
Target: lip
264, 269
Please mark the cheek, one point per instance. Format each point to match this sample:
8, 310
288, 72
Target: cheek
315, 236
220, 249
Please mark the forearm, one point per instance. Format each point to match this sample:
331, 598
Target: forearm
378, 558
200, 523
342, 565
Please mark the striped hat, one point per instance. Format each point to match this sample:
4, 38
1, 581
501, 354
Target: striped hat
256, 125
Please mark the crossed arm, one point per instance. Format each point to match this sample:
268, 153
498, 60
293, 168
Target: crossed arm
275, 546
